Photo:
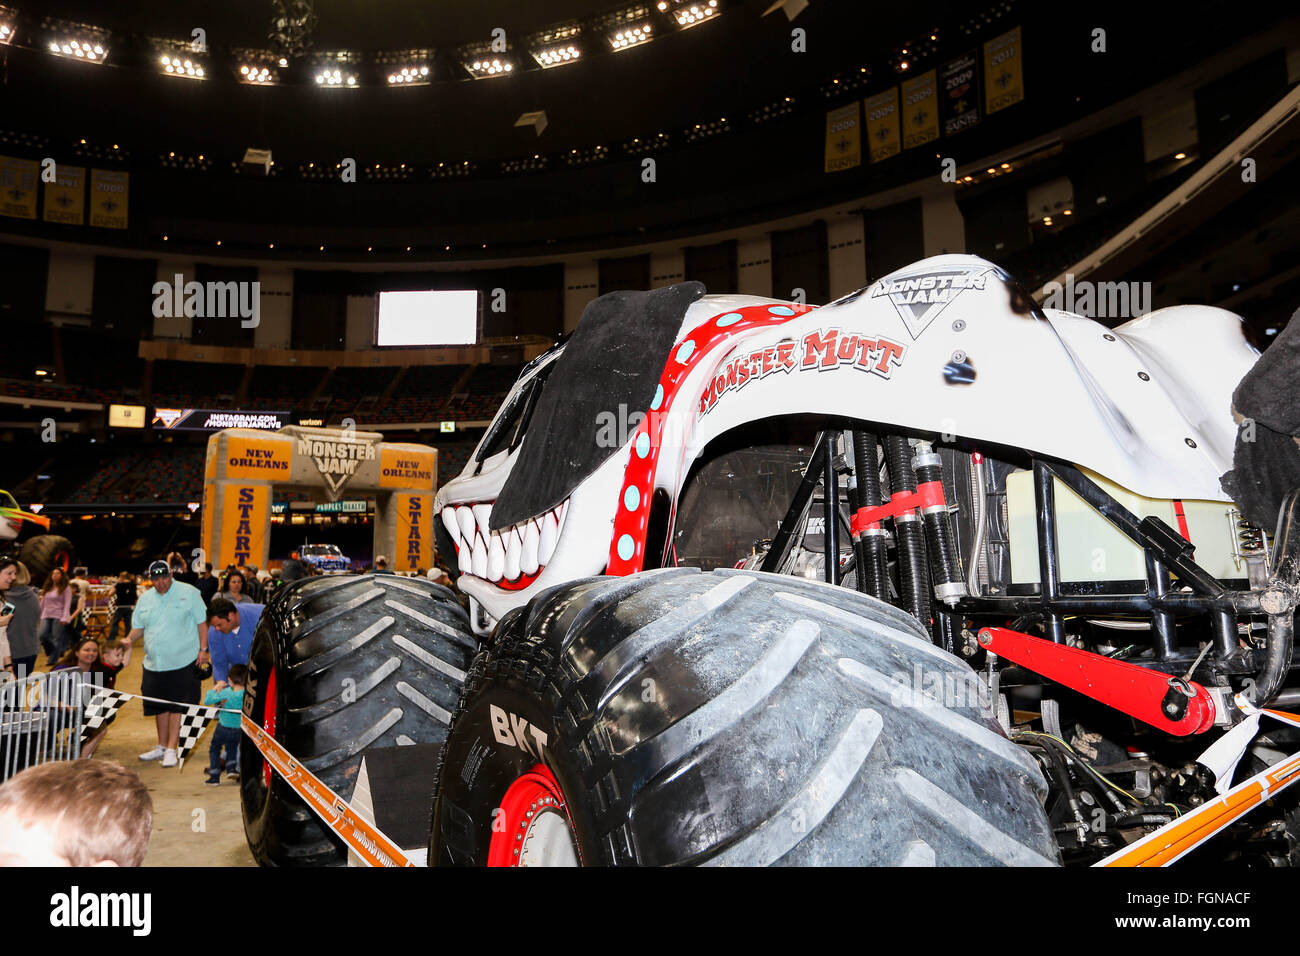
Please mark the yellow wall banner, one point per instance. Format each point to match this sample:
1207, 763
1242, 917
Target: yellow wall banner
1004, 82
65, 198
920, 111
109, 197
18, 187
243, 523
843, 138
268, 457
882, 125
414, 531
403, 468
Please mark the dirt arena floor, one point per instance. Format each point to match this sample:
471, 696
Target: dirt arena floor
193, 824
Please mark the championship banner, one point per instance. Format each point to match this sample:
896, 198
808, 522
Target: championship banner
242, 535
959, 81
414, 531
843, 138
65, 198
18, 187
882, 125
109, 197
920, 111
1004, 83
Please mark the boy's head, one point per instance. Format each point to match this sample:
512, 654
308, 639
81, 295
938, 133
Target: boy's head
74, 813
112, 655
237, 676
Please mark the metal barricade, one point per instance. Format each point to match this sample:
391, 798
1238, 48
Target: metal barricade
41, 718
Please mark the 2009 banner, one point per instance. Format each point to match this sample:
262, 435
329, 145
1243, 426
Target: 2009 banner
959, 81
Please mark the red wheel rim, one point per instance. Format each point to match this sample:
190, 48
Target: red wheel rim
530, 795
268, 721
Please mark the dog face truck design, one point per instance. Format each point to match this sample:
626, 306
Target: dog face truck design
949, 345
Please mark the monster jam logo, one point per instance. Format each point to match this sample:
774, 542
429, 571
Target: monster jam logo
920, 298
336, 459
821, 350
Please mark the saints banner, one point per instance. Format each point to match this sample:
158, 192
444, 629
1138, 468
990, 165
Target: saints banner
843, 138
65, 198
109, 191
882, 125
920, 111
959, 80
1004, 82
18, 187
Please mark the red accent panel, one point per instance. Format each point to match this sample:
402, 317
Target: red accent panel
1182, 519
685, 357
1130, 689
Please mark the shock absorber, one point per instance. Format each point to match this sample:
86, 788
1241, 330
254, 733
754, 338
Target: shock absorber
941, 543
913, 572
870, 542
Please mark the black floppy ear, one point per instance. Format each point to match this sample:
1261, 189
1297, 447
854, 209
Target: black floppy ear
610, 366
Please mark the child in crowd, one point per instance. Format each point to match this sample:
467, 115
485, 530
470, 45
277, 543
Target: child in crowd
74, 813
99, 668
226, 733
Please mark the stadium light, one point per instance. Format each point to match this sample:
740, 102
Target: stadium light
336, 70
691, 13
256, 67
8, 24
407, 67
175, 58
556, 46
75, 41
627, 28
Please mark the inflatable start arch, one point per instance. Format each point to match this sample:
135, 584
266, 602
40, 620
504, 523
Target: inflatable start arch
244, 466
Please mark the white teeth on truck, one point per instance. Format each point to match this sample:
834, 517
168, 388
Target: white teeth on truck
507, 554
550, 534
514, 552
528, 561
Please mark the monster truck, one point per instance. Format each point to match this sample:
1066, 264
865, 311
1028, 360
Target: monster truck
1036, 604
41, 553
328, 557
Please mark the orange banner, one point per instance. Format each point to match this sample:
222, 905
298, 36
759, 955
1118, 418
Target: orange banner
363, 837
414, 531
405, 468
258, 456
244, 512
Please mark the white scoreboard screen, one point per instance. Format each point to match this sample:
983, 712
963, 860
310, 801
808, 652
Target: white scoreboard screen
425, 318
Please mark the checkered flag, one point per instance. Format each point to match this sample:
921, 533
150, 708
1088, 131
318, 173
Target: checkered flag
101, 710
194, 722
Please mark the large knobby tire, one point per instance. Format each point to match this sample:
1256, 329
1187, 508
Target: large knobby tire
351, 662
45, 552
733, 718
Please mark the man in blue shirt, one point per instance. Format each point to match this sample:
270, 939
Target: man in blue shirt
173, 621
231, 635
